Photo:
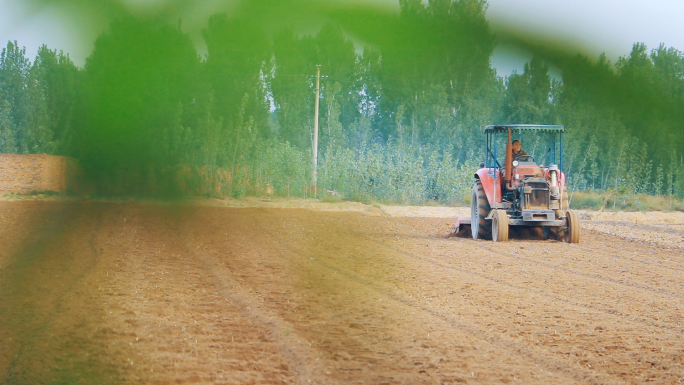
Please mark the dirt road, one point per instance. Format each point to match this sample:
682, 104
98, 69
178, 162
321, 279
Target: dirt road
113, 293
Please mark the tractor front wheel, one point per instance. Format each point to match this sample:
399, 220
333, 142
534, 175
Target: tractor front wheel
500, 226
479, 209
572, 227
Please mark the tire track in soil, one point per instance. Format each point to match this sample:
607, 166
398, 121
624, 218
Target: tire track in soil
363, 289
601, 239
595, 276
663, 236
545, 360
666, 304
677, 359
589, 276
492, 252
678, 351
531, 245
550, 364
607, 310
445, 229
553, 297
395, 248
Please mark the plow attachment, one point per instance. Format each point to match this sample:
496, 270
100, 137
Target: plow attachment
462, 228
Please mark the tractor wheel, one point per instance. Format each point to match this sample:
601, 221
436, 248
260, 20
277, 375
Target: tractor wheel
500, 226
479, 209
572, 228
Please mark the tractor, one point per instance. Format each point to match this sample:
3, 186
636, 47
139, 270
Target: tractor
527, 191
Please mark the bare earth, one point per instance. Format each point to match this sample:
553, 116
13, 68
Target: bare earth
107, 293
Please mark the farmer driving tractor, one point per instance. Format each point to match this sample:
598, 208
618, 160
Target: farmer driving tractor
517, 149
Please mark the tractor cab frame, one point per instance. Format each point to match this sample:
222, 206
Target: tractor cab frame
554, 151
528, 190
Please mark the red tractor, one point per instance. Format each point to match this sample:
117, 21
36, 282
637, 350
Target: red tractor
525, 191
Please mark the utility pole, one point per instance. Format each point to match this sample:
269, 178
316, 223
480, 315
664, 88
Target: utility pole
315, 136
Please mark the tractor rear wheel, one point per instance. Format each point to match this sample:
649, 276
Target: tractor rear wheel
500, 226
479, 209
572, 227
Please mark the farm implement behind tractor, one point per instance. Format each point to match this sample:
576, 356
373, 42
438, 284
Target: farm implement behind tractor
525, 191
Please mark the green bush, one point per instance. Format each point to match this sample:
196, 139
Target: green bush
623, 200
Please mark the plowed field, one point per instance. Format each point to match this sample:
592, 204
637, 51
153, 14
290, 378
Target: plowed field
123, 293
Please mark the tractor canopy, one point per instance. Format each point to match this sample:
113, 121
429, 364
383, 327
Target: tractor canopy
543, 142
519, 128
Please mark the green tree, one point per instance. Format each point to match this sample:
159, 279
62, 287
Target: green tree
293, 86
8, 140
338, 60
139, 78
61, 82
527, 95
445, 43
237, 57
367, 88
294, 79
23, 102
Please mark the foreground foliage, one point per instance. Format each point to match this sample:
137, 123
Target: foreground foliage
401, 120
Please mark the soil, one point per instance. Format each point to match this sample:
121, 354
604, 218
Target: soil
108, 293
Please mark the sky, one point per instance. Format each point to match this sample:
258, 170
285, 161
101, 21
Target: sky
592, 26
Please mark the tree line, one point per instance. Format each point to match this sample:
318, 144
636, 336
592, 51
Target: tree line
401, 118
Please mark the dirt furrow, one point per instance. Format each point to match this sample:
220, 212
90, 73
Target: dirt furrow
129, 293
365, 288
611, 319
552, 296
498, 258
50, 315
541, 318
181, 324
661, 272
552, 365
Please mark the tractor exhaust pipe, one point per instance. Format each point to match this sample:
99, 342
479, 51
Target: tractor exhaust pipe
509, 161
554, 189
